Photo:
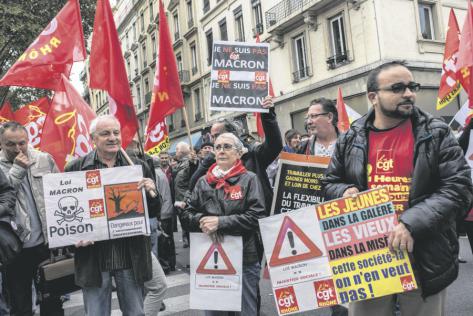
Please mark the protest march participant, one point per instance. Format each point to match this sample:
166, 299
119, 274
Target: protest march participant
129, 259
293, 140
258, 157
322, 119
417, 157
24, 168
214, 211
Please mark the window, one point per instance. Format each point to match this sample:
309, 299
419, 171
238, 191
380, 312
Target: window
170, 122
147, 92
426, 21
127, 40
209, 37
300, 52
337, 41
239, 26
179, 62
190, 15
223, 30
197, 105
193, 58
142, 21
128, 68
143, 52
151, 11
138, 97
146, 85
206, 6
135, 57
134, 31
175, 18
183, 121
258, 17
153, 46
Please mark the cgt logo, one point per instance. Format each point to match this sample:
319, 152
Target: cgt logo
260, 77
384, 161
223, 76
234, 193
325, 293
408, 283
286, 300
96, 208
92, 179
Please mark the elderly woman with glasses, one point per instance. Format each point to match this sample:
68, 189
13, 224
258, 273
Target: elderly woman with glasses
229, 200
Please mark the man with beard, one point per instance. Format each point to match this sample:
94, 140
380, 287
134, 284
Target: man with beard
417, 157
322, 119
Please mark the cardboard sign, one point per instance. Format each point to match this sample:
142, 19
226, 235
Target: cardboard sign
297, 183
216, 272
335, 253
239, 77
94, 205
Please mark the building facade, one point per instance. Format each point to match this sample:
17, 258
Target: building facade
316, 47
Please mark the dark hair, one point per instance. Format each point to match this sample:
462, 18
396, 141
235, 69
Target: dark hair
372, 80
228, 126
290, 134
328, 106
13, 126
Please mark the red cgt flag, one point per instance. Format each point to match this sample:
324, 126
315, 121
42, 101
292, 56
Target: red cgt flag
158, 139
450, 85
52, 53
343, 120
108, 71
167, 93
66, 128
465, 53
6, 113
32, 117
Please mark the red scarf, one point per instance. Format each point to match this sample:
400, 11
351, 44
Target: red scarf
237, 169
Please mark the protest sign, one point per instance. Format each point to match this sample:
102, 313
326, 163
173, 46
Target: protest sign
94, 205
216, 273
335, 253
239, 77
297, 183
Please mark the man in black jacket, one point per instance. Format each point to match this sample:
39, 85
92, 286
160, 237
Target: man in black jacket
420, 161
257, 158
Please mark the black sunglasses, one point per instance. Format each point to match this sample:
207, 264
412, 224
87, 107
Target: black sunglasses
401, 87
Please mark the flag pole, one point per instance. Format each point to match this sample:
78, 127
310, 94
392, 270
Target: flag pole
186, 119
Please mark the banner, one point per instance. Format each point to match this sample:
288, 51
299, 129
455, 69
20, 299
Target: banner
297, 182
239, 77
6, 113
94, 205
216, 273
32, 117
157, 139
335, 253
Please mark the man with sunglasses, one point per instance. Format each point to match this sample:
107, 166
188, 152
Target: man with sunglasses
398, 145
322, 119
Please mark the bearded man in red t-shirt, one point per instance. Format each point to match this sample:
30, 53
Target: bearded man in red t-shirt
416, 156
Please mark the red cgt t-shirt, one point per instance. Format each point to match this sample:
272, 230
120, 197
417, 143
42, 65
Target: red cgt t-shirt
391, 162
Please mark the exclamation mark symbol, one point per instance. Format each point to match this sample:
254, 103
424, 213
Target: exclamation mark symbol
290, 236
370, 287
216, 260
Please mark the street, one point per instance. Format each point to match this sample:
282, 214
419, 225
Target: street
459, 299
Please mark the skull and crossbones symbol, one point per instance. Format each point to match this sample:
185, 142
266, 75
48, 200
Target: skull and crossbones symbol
68, 210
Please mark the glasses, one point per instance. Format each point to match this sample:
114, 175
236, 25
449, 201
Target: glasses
225, 147
314, 116
401, 87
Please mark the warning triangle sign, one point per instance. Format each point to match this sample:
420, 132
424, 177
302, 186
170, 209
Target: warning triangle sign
289, 229
212, 262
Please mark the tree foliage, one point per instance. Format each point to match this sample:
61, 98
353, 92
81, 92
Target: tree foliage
20, 24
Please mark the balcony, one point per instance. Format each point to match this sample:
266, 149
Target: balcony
258, 29
337, 60
194, 70
301, 74
289, 14
184, 76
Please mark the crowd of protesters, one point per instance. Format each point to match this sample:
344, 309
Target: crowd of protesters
191, 188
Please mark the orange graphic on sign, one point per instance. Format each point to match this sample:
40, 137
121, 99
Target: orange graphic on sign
215, 251
287, 224
123, 201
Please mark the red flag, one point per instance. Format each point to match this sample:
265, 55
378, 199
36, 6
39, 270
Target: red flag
465, 52
108, 71
6, 113
32, 117
52, 53
158, 139
343, 120
66, 128
449, 82
167, 93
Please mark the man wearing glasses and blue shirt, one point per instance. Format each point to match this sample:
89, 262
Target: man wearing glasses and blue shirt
417, 157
